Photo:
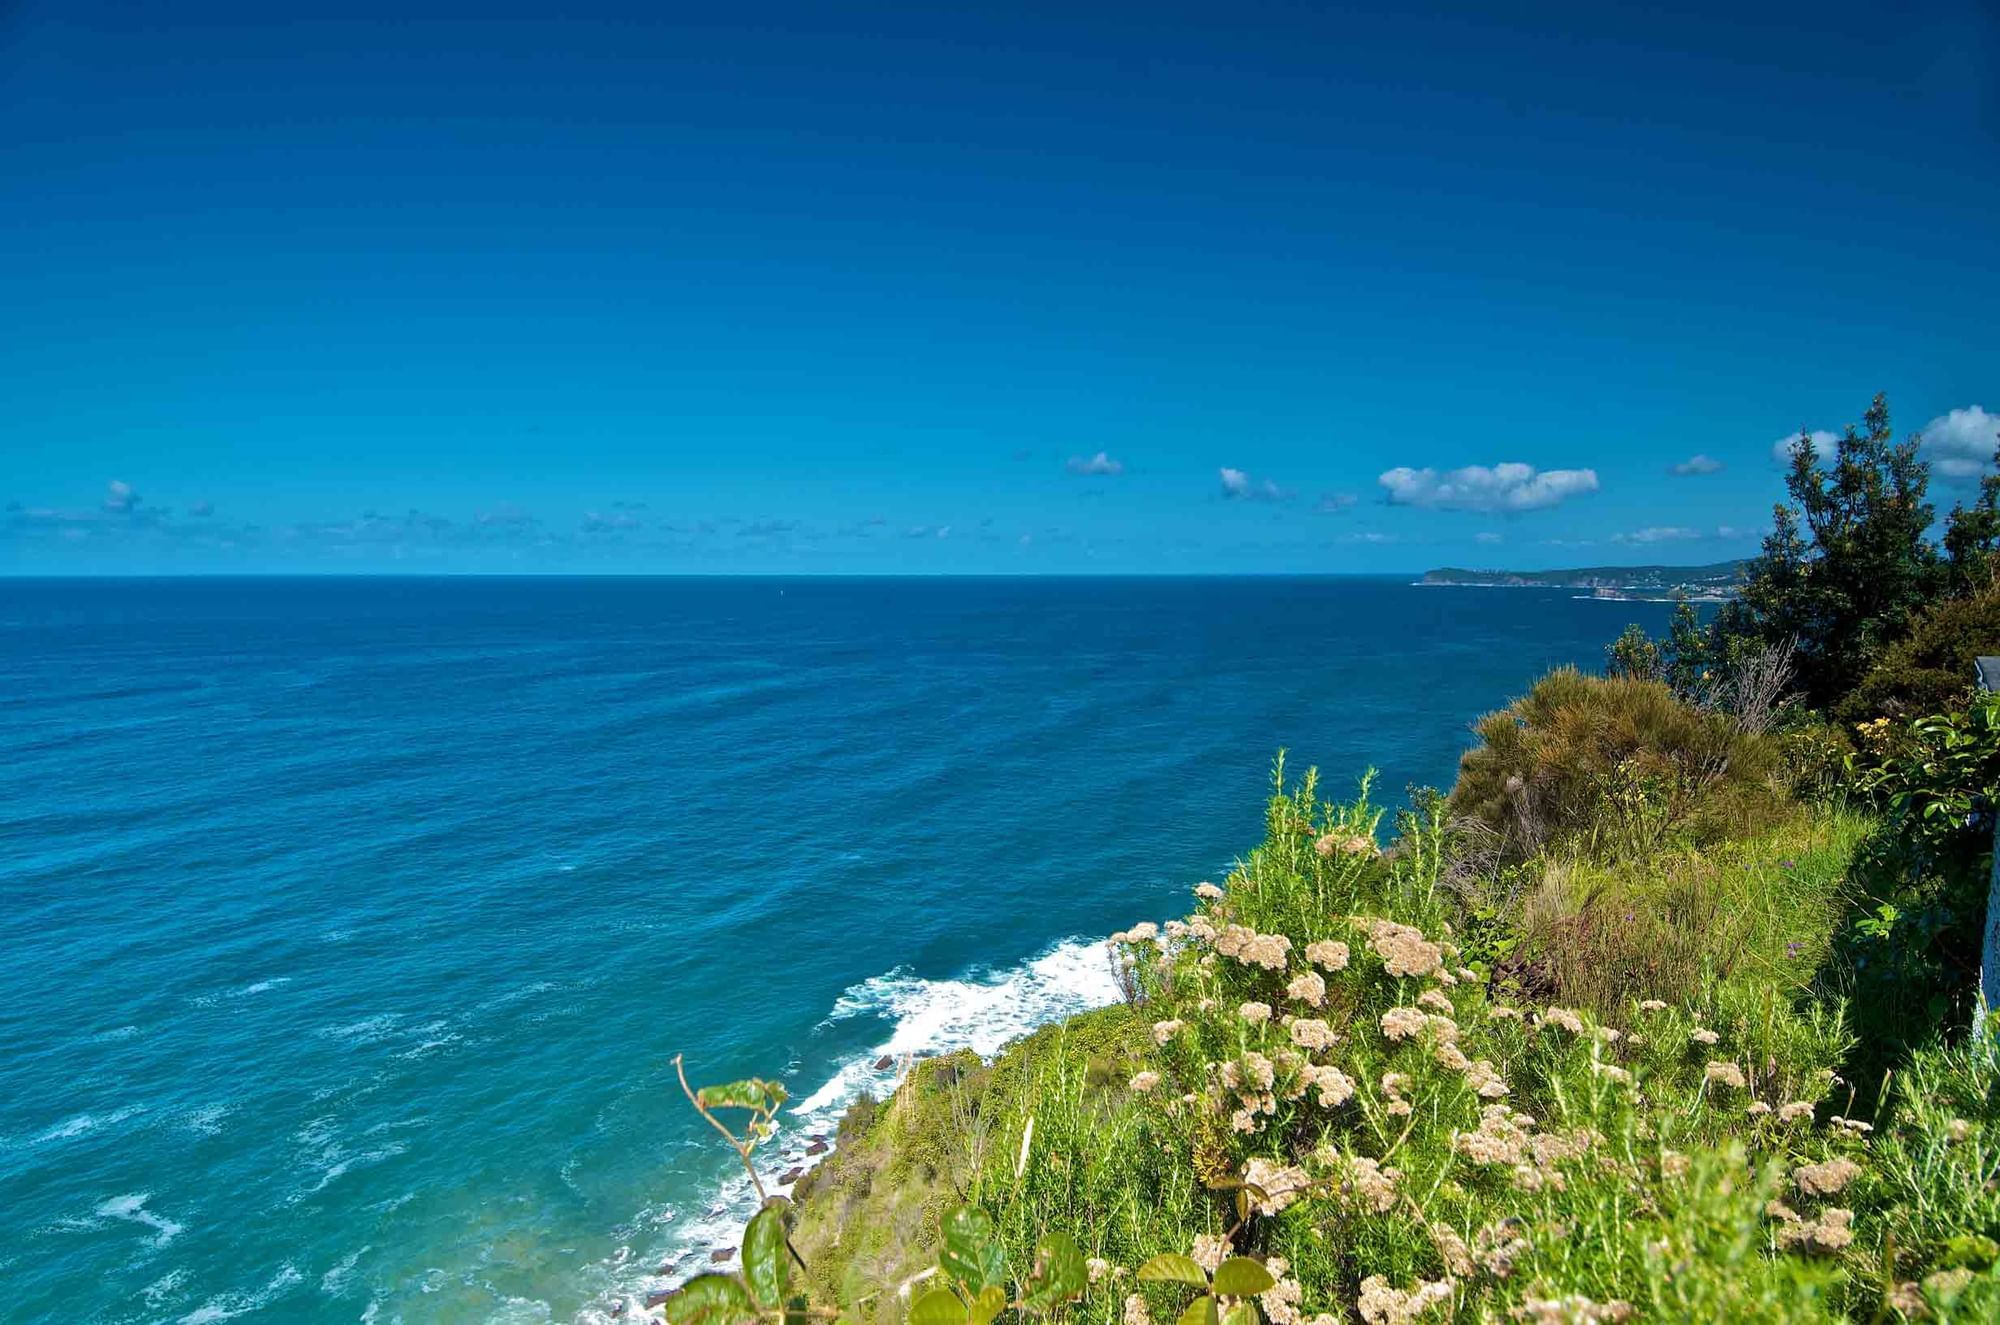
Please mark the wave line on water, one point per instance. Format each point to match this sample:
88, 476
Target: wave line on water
982, 1011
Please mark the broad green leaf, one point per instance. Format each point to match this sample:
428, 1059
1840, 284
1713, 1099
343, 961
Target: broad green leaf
992, 1300
751, 1094
1059, 1272
1201, 1311
1239, 1276
765, 1264
710, 1299
1172, 1268
940, 1306
970, 1253
1243, 1313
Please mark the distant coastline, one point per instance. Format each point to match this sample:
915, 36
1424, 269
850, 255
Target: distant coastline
1717, 582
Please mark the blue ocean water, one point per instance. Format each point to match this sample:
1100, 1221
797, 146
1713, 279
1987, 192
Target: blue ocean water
349, 926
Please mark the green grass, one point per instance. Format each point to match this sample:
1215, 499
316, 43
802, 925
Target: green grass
1684, 1006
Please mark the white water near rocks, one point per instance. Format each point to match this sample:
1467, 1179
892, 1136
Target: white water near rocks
980, 1011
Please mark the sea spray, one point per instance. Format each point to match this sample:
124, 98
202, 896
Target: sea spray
982, 1011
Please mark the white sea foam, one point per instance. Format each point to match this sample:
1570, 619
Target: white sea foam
981, 1011
334, 1282
131, 1208
346, 1164
366, 1031
85, 1122
228, 1306
166, 1286
62, 1131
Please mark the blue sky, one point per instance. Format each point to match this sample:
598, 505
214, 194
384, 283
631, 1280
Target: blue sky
1022, 288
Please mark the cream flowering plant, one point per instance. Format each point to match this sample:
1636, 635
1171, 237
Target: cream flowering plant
1313, 1107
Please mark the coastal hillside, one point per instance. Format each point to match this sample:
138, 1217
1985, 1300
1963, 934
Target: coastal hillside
1420, 1075
1668, 1009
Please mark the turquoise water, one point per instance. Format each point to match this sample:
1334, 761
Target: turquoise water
350, 925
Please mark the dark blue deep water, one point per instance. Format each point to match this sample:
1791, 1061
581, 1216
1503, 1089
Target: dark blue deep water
347, 927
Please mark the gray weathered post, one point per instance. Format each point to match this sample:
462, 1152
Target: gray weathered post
1989, 956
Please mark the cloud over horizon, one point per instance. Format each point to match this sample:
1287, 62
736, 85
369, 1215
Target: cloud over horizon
1508, 487
1958, 444
1099, 465
1237, 485
1695, 466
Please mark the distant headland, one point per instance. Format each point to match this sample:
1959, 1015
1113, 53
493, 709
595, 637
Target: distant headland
1716, 581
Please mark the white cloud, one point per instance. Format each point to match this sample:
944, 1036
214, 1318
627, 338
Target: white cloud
1695, 466
1239, 486
119, 499
1822, 443
1366, 536
1659, 534
1960, 444
1504, 487
1488, 537
1099, 464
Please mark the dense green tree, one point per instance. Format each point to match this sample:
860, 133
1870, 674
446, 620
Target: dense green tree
1930, 671
1971, 536
1849, 570
1849, 561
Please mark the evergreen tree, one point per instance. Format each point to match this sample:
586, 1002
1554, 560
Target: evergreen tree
1971, 536
1848, 562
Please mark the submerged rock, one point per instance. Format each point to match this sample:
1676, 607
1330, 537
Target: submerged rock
884, 1063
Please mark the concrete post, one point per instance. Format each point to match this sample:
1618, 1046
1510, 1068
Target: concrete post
1989, 956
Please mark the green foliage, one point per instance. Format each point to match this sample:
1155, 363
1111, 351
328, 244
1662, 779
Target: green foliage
1314, 1105
1972, 537
761, 1292
1613, 765
1850, 561
1911, 950
1814, 754
1850, 565
1605, 934
1937, 1179
1634, 656
1932, 670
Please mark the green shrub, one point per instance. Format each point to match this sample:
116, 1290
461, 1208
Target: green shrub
1612, 764
1814, 755
1910, 951
1312, 1109
1602, 935
1932, 670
